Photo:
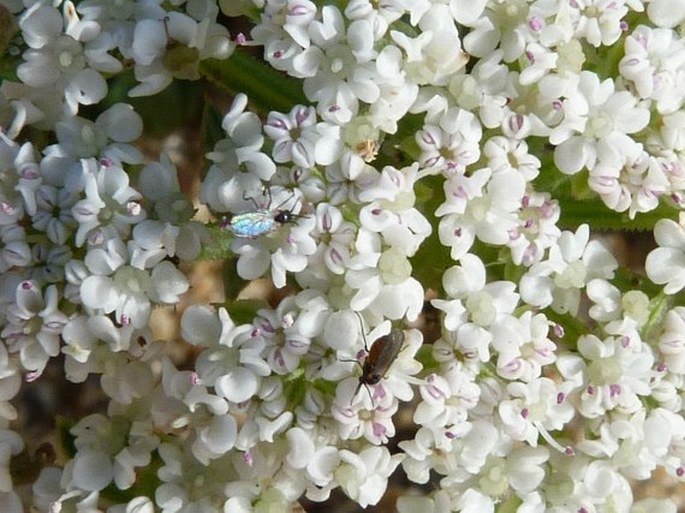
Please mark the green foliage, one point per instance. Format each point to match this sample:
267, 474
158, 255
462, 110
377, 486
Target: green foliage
432, 258
178, 106
212, 132
219, 247
244, 311
233, 283
267, 88
145, 484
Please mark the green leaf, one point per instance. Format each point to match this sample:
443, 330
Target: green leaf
66, 439
178, 106
266, 88
145, 484
599, 217
432, 259
658, 307
244, 311
212, 130
8, 29
233, 283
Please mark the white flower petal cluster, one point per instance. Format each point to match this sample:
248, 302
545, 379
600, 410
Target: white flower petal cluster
571, 264
73, 48
666, 264
236, 403
66, 54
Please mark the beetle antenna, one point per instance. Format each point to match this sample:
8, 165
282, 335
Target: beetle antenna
251, 198
361, 328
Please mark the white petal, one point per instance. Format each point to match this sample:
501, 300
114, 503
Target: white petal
238, 385
666, 265
666, 13
121, 122
92, 470
98, 292
149, 41
669, 233
220, 434
200, 325
341, 330
322, 465
301, 447
467, 12
41, 26
570, 156
87, 88
536, 290
169, 283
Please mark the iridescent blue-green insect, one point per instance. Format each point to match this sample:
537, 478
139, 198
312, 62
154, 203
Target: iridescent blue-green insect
261, 220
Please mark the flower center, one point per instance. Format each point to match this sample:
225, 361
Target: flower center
69, 54
132, 280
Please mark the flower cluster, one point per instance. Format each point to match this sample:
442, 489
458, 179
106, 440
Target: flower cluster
438, 169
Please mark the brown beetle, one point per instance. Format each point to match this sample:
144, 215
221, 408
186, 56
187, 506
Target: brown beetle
379, 359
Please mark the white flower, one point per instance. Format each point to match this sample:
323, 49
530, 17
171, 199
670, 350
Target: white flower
299, 138
338, 67
66, 54
502, 24
598, 21
593, 110
238, 165
172, 47
234, 366
625, 177
364, 476
537, 230
446, 400
600, 483
666, 13
482, 205
284, 252
452, 145
347, 176
174, 233
533, 409
652, 62
390, 210
117, 286
336, 237
571, 264
616, 373
109, 202
505, 153
286, 333
623, 441
14, 250
105, 138
476, 306
523, 346
666, 264
34, 325
435, 54
53, 213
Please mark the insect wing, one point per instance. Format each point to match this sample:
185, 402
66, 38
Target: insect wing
381, 355
252, 224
